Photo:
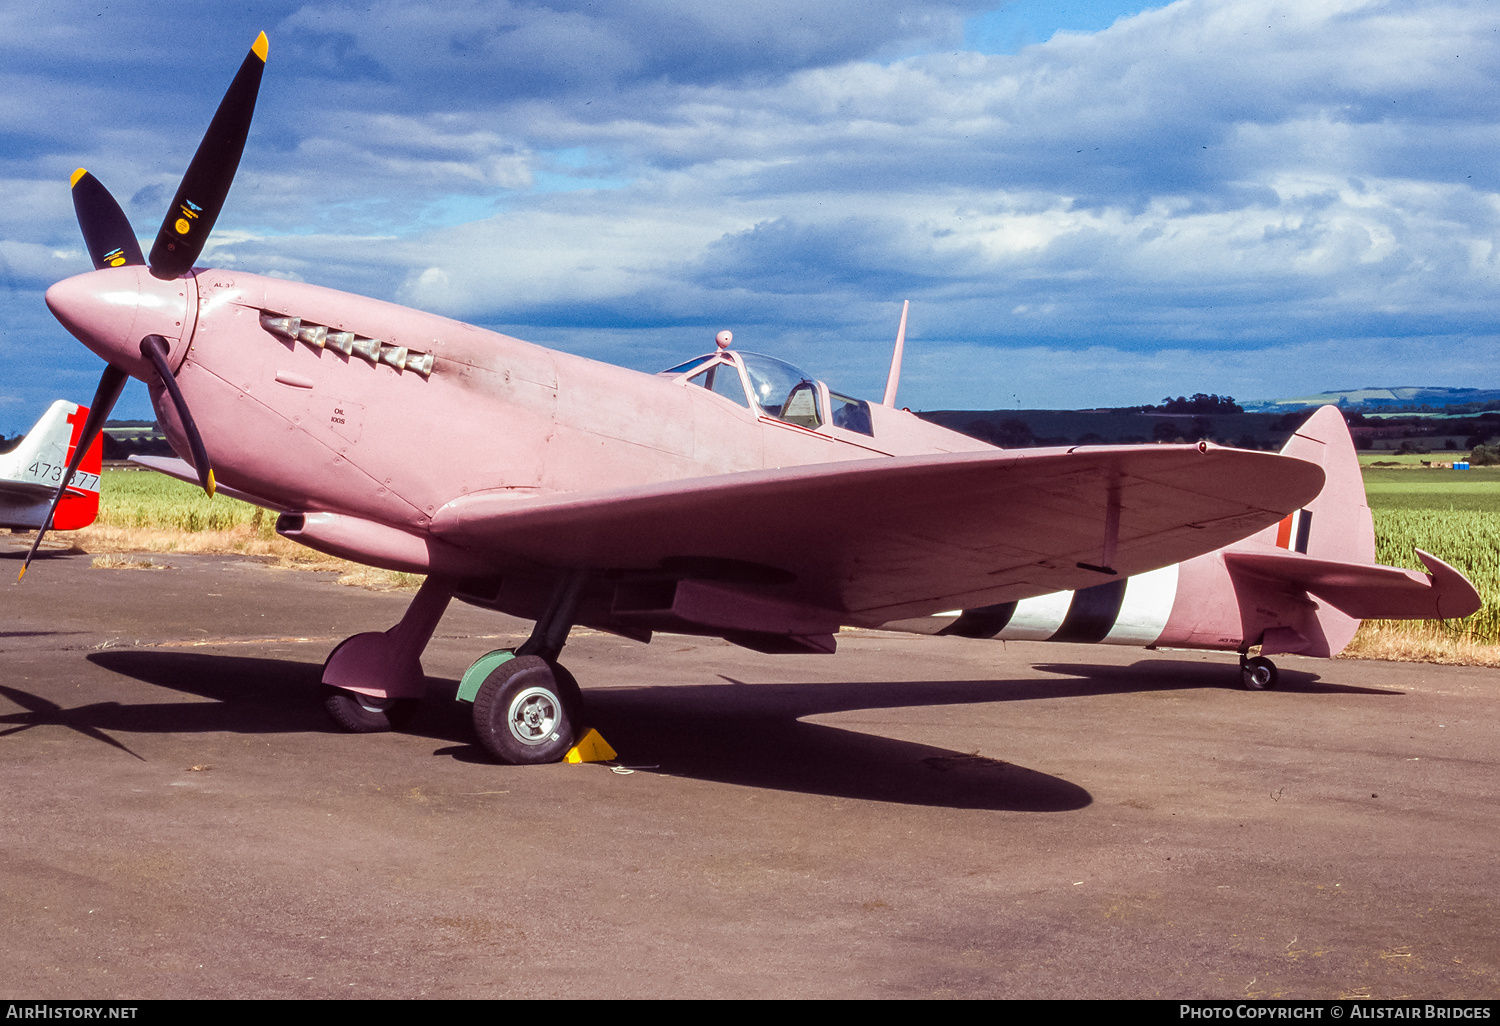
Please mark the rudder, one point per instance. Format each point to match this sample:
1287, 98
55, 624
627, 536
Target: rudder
1337, 524
36, 466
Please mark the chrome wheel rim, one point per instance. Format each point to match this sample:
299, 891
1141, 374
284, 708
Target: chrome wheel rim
534, 716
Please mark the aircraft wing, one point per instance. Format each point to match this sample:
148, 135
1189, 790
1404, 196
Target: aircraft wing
1368, 591
883, 538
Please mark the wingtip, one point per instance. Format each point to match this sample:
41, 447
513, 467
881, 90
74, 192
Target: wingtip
262, 45
73, 181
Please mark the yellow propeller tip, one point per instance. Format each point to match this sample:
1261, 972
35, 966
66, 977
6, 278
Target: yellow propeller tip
262, 44
209, 488
77, 175
21, 574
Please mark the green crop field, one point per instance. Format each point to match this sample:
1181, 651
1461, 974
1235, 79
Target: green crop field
143, 498
1467, 539
1476, 490
1453, 514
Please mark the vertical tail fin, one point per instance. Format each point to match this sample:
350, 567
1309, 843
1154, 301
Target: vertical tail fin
1337, 524
29, 474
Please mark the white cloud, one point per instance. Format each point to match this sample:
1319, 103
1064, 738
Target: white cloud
1199, 189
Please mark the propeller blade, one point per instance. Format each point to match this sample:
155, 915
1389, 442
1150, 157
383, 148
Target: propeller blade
110, 383
200, 197
154, 348
106, 231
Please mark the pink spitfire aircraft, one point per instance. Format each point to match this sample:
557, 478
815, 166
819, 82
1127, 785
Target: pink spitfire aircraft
1299, 587
31, 472
731, 496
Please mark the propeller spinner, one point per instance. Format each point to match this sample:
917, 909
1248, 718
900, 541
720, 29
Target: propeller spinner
111, 243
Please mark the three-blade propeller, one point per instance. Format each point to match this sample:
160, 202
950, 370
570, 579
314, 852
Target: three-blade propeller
112, 243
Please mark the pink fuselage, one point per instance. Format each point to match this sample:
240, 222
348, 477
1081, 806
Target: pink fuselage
312, 429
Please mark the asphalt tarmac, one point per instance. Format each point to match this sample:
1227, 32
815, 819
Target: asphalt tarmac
913, 817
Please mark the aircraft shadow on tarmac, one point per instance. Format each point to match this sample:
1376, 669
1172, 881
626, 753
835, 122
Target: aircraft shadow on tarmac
733, 732
1168, 674
54, 550
41, 712
754, 735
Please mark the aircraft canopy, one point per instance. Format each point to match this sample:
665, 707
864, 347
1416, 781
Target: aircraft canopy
776, 388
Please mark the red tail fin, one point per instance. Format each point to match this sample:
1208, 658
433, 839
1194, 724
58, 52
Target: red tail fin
29, 473
80, 506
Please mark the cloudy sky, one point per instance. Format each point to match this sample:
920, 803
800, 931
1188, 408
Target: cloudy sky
1090, 203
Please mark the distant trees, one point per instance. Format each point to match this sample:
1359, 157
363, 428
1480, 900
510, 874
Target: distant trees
1485, 456
1200, 403
1010, 433
1176, 431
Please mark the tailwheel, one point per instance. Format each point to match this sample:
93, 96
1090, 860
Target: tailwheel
526, 711
1258, 674
366, 714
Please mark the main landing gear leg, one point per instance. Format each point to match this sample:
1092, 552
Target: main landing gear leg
527, 707
373, 681
1258, 674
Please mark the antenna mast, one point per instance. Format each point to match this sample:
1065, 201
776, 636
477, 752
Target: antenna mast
894, 378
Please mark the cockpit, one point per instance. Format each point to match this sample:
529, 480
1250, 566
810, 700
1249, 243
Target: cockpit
773, 388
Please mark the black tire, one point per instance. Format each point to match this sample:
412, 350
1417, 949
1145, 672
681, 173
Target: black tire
1259, 674
363, 714
572, 694
523, 715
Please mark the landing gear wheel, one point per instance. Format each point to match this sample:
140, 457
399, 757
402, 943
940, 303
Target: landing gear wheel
366, 714
1258, 674
571, 693
526, 713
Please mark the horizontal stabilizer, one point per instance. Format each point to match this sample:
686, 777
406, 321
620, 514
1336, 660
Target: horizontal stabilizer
25, 492
1367, 591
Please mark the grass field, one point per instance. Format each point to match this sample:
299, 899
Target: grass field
145, 499
1455, 515
142, 511
1476, 490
